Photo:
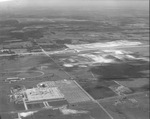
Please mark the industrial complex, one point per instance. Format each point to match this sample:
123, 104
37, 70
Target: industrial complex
67, 91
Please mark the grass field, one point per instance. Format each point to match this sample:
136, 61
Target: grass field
135, 106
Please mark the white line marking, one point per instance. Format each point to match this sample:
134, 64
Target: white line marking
117, 83
44, 104
25, 105
94, 76
19, 117
47, 104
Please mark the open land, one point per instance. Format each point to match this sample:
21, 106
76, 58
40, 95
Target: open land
89, 69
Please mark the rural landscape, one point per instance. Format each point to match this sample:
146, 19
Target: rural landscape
73, 62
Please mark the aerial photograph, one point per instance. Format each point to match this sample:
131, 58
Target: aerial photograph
74, 59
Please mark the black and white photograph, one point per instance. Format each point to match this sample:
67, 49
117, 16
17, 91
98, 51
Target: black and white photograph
74, 59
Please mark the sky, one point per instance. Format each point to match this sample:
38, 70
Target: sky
66, 2
11, 5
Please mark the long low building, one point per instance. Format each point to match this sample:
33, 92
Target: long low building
47, 93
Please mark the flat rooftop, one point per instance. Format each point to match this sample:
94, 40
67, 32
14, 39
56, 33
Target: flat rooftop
46, 93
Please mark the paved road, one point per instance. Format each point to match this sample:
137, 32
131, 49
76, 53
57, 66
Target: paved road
115, 97
65, 50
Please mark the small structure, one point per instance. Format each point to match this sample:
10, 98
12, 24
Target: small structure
120, 90
13, 79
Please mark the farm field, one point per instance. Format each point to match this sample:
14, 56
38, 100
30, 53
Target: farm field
84, 61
